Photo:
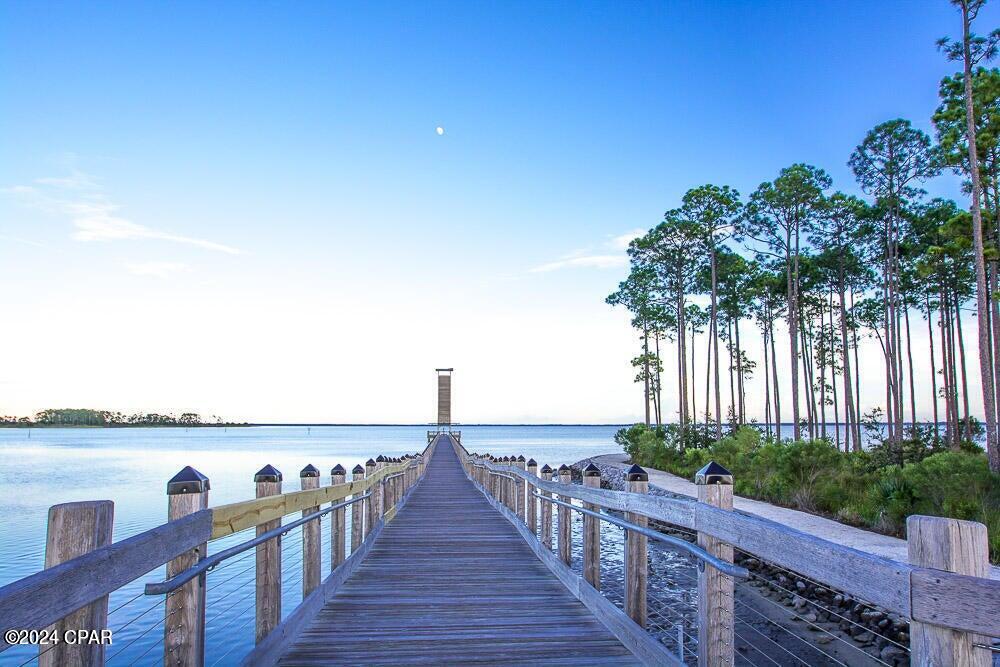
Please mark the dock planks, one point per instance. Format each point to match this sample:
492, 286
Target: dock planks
450, 581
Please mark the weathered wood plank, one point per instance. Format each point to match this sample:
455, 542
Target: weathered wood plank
450, 581
42, 599
954, 546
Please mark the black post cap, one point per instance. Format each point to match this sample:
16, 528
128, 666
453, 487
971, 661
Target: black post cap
713, 473
358, 469
591, 471
338, 470
380, 459
267, 474
532, 463
370, 462
546, 469
563, 468
188, 480
309, 471
636, 474
520, 458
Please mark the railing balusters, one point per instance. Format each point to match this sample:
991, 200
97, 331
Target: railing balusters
312, 536
565, 519
592, 531
184, 611
76, 529
716, 619
636, 557
268, 591
338, 523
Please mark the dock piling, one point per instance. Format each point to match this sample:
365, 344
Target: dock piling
565, 519
338, 522
268, 593
184, 624
592, 531
636, 544
955, 546
75, 529
716, 619
312, 536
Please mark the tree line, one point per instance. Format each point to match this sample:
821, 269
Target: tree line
837, 269
109, 418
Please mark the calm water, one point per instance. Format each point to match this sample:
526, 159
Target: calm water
131, 466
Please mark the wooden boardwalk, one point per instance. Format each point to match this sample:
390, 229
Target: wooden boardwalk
450, 581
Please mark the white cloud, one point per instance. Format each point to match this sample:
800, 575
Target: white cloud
157, 269
610, 257
80, 198
583, 261
621, 241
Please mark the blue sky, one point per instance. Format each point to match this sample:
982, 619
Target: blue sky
245, 208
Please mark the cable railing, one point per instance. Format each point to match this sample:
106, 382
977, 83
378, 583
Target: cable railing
709, 585
213, 585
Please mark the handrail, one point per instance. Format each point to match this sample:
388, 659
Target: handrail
694, 550
209, 563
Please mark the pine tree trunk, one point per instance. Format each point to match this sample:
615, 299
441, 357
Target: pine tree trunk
985, 370
645, 362
715, 347
967, 425
774, 379
740, 401
930, 338
853, 438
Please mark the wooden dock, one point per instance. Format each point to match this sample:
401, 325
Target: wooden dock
460, 557
450, 581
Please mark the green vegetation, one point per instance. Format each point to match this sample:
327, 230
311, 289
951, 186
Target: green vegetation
876, 489
819, 272
107, 418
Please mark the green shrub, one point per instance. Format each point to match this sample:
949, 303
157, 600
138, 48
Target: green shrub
876, 489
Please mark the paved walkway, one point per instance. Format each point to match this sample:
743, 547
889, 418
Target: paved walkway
451, 582
828, 529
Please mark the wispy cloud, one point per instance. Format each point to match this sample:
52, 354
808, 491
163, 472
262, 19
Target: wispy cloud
94, 216
582, 261
611, 256
621, 241
157, 269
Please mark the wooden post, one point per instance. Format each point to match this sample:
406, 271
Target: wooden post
546, 510
76, 529
955, 546
636, 558
312, 536
532, 469
338, 522
184, 624
565, 519
371, 504
715, 590
268, 481
519, 489
592, 531
357, 515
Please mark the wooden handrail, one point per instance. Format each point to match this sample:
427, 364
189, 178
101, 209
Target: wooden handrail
39, 600
922, 594
234, 517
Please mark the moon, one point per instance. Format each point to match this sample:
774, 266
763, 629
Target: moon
439, 130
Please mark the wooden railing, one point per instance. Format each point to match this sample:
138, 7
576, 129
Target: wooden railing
945, 593
83, 567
